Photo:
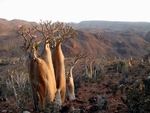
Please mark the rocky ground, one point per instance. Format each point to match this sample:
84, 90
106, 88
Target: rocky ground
104, 93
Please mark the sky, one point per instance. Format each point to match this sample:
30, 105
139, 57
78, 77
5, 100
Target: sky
75, 10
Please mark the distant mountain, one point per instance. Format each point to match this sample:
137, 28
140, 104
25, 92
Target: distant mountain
9, 27
111, 25
107, 38
147, 37
139, 28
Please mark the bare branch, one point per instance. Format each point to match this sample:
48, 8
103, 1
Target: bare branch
78, 56
28, 36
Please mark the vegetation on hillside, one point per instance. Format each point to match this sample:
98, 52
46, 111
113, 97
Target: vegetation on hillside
113, 80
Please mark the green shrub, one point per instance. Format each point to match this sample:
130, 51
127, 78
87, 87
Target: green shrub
114, 88
137, 100
147, 85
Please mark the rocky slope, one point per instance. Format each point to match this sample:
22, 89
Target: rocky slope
117, 39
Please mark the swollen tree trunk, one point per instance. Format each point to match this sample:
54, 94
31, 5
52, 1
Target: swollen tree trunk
86, 69
42, 84
91, 68
70, 85
47, 57
30, 63
59, 69
42, 77
45, 79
